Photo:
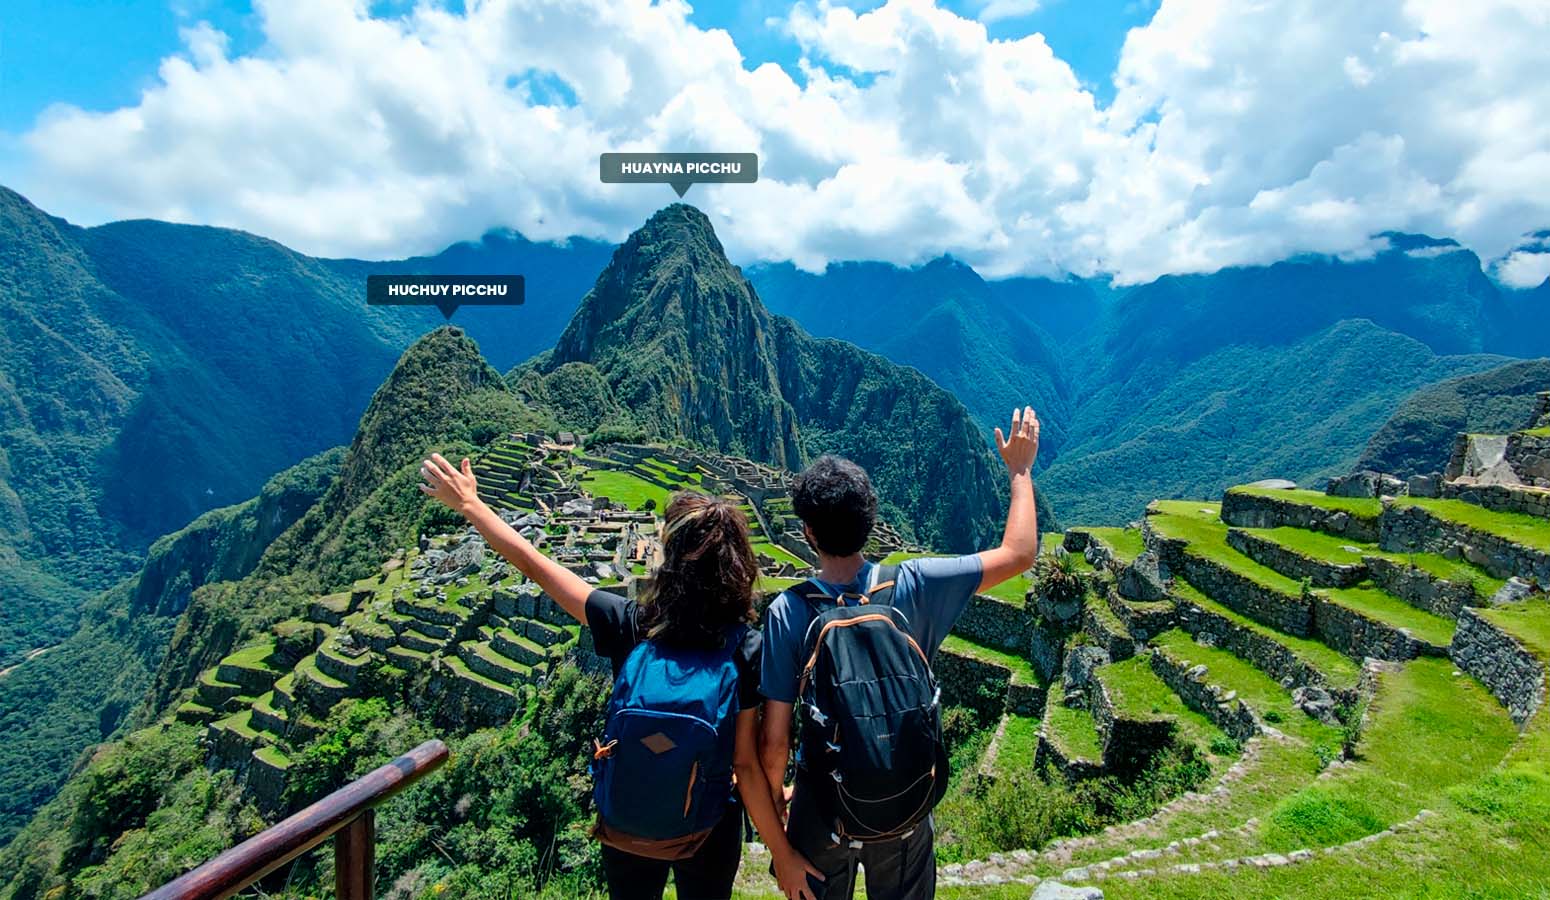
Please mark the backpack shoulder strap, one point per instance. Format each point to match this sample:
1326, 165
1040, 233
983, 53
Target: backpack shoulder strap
880, 592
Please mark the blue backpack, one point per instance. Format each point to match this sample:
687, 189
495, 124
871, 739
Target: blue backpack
663, 771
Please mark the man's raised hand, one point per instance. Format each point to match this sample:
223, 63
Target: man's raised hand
1022, 448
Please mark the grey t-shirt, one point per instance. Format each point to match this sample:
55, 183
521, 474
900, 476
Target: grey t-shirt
931, 592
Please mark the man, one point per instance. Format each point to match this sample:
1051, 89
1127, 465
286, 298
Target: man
838, 509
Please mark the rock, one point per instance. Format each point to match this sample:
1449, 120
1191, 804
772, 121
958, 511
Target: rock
1054, 890
1143, 580
1274, 484
1316, 702
1358, 484
1197, 672
1339, 521
605, 572
577, 507
1080, 663
1515, 590
1097, 555
1424, 485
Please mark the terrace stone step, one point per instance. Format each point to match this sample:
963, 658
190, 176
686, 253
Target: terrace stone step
316, 689
194, 713
1529, 501
432, 630
518, 648
266, 717
214, 692
544, 633
1504, 544
428, 610
1190, 682
1068, 740
1289, 660
485, 661
1265, 550
407, 658
484, 700
340, 666
413, 640
1352, 518
1107, 629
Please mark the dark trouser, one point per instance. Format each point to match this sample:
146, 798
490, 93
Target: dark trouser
903, 869
707, 875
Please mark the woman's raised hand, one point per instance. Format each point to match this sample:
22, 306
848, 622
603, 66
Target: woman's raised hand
1022, 448
454, 486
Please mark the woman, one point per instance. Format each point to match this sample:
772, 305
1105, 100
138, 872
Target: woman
702, 590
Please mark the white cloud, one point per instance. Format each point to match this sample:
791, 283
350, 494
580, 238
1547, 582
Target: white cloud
1524, 268
996, 10
1239, 133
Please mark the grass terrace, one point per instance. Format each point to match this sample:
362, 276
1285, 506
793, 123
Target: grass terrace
1361, 507
1019, 743
1139, 694
1127, 543
1385, 607
1262, 693
1072, 731
1022, 670
776, 552
1528, 621
1527, 531
622, 487
1338, 669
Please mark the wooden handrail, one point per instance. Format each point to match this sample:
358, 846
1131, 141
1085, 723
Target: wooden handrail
345, 815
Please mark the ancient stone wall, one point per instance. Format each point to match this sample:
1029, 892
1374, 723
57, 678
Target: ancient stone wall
1529, 456
974, 683
1265, 654
1505, 498
1504, 666
1190, 682
995, 623
1284, 612
1359, 637
1420, 588
1293, 564
1260, 511
1411, 528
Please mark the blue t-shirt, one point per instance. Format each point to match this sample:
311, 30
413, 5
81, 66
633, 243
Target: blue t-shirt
931, 592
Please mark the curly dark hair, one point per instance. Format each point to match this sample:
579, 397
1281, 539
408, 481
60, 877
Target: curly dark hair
834, 498
705, 582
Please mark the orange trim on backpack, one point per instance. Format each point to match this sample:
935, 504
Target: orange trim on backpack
845, 623
602, 750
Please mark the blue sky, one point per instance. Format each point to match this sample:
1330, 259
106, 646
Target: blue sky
101, 55
1243, 133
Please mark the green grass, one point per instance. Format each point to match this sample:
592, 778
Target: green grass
1383, 607
1528, 621
1138, 694
1316, 544
1207, 537
1360, 507
1261, 692
777, 553
1072, 731
1022, 670
622, 487
1338, 669
254, 657
1019, 743
1526, 531
1013, 590
1127, 543
273, 756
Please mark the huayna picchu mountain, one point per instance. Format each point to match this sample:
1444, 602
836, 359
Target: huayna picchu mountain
689, 352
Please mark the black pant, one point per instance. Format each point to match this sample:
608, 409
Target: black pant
707, 875
901, 869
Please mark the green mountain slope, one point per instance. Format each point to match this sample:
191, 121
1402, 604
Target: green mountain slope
949, 323
1239, 414
237, 356
81, 691
1417, 438
689, 352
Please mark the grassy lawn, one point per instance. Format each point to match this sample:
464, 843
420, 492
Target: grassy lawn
1528, 621
622, 487
1338, 669
1072, 731
1454, 570
1014, 590
1022, 670
1385, 607
1207, 539
1526, 531
777, 552
1019, 743
1316, 544
1261, 692
254, 657
1127, 543
1360, 507
1138, 694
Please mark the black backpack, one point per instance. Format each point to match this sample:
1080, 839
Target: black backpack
871, 725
